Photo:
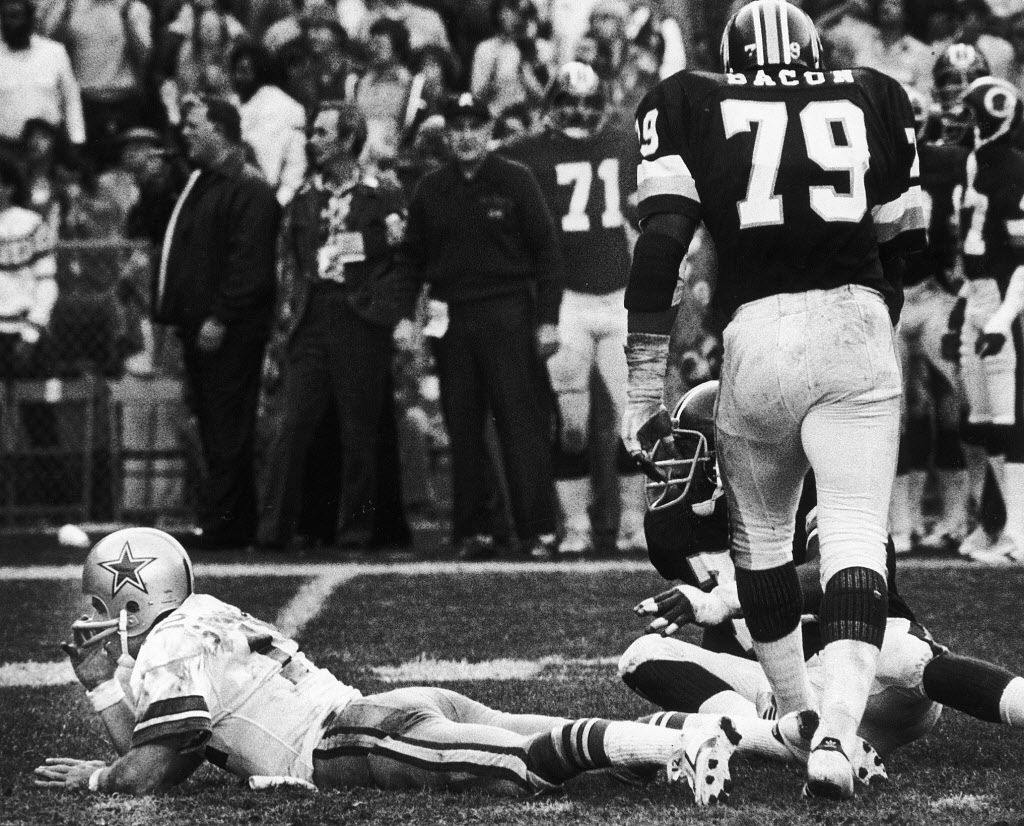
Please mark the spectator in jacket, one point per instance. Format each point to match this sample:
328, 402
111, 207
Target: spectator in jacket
336, 255
215, 285
481, 235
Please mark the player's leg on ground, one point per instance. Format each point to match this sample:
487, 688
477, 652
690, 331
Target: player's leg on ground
684, 679
406, 739
680, 676
763, 466
982, 689
569, 369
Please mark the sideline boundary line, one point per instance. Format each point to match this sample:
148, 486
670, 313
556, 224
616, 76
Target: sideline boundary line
347, 570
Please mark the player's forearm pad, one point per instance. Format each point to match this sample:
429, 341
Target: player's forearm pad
655, 270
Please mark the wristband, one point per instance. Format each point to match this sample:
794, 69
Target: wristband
94, 779
105, 695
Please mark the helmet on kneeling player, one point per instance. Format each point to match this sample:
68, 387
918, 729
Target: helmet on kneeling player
685, 510
769, 33
575, 101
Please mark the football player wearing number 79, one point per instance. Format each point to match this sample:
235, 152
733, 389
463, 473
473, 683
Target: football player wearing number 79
807, 181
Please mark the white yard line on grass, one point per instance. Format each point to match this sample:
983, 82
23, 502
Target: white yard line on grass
346, 570
429, 670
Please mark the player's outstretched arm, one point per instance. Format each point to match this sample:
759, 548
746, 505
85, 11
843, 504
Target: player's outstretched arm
149, 768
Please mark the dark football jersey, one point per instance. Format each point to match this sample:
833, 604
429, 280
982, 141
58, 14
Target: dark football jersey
587, 183
991, 214
942, 170
799, 175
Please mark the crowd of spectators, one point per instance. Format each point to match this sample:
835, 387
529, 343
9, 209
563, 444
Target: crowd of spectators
94, 96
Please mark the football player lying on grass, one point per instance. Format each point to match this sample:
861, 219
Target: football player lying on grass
687, 533
178, 677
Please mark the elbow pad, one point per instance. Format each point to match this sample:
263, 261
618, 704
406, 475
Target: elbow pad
654, 273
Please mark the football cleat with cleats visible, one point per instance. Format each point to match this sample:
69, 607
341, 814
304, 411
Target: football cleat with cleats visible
829, 772
795, 730
702, 759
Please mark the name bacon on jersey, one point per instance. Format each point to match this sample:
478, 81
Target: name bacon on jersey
807, 178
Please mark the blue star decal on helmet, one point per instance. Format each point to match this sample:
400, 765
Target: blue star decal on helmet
127, 569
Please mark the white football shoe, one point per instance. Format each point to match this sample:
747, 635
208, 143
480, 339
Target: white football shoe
702, 758
829, 771
795, 730
1005, 551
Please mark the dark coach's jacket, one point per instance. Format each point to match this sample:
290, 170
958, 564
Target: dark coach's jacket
221, 257
370, 289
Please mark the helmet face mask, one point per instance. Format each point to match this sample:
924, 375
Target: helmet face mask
769, 33
686, 460
132, 578
576, 101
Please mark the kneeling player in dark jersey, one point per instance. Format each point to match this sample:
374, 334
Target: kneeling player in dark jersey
687, 530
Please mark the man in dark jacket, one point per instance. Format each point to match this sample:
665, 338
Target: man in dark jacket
481, 235
336, 266
215, 285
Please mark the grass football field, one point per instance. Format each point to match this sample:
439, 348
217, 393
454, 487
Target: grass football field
519, 636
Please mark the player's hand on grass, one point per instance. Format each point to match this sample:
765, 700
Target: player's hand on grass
65, 773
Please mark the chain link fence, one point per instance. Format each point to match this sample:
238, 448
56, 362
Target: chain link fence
92, 425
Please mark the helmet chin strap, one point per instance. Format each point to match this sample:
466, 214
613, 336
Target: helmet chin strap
122, 630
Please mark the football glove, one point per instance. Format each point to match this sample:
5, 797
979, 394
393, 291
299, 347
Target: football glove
681, 605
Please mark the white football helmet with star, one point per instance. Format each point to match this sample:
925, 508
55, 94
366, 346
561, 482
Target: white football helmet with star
133, 577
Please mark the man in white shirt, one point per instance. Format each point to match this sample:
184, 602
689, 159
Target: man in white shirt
36, 80
273, 123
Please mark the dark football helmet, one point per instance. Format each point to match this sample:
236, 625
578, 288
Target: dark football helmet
955, 69
769, 33
575, 100
133, 577
686, 460
993, 108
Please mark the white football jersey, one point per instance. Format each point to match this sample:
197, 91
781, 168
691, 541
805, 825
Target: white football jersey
210, 675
